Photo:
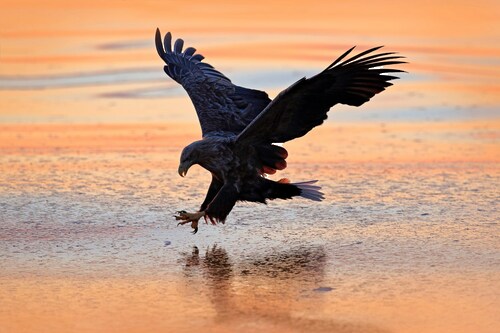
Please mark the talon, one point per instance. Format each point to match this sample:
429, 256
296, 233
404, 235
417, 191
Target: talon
194, 225
190, 217
183, 215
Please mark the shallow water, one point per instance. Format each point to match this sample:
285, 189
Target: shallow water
88, 242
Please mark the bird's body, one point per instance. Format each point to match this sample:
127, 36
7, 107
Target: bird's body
241, 125
235, 176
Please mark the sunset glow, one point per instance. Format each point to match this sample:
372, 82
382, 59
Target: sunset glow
90, 135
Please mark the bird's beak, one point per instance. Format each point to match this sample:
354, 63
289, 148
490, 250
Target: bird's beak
183, 169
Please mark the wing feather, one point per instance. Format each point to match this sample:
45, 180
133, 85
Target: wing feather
220, 105
304, 105
179, 43
167, 41
189, 51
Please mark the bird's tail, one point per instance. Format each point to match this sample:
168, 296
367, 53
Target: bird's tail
310, 191
283, 189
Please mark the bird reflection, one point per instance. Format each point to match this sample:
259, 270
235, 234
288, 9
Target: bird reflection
265, 290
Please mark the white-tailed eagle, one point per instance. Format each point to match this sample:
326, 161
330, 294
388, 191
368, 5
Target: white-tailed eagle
240, 125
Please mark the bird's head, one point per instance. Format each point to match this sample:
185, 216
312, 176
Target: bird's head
189, 156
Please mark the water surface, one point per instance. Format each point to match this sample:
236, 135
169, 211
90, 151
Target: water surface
404, 242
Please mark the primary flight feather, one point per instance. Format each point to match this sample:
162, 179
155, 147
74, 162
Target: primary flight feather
239, 125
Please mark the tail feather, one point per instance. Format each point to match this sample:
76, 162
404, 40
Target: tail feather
283, 189
309, 191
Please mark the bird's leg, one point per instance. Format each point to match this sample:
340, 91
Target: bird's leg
186, 217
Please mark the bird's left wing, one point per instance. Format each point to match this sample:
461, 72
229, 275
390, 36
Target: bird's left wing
304, 105
221, 106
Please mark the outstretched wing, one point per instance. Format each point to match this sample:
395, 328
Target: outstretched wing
304, 105
221, 106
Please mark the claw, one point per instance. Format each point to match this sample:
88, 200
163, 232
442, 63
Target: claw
186, 217
183, 222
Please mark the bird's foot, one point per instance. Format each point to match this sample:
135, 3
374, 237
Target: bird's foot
186, 217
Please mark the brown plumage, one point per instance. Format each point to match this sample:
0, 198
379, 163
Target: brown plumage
241, 125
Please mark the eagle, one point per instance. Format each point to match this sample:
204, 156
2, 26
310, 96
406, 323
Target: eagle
241, 127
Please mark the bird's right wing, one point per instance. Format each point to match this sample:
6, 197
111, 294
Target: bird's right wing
221, 106
304, 105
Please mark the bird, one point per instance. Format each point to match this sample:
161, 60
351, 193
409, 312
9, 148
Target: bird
242, 127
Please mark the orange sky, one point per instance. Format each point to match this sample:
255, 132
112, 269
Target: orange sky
455, 19
452, 49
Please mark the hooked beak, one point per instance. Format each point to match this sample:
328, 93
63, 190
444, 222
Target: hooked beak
183, 169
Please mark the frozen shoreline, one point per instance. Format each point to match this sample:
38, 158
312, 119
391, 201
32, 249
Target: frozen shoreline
88, 242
